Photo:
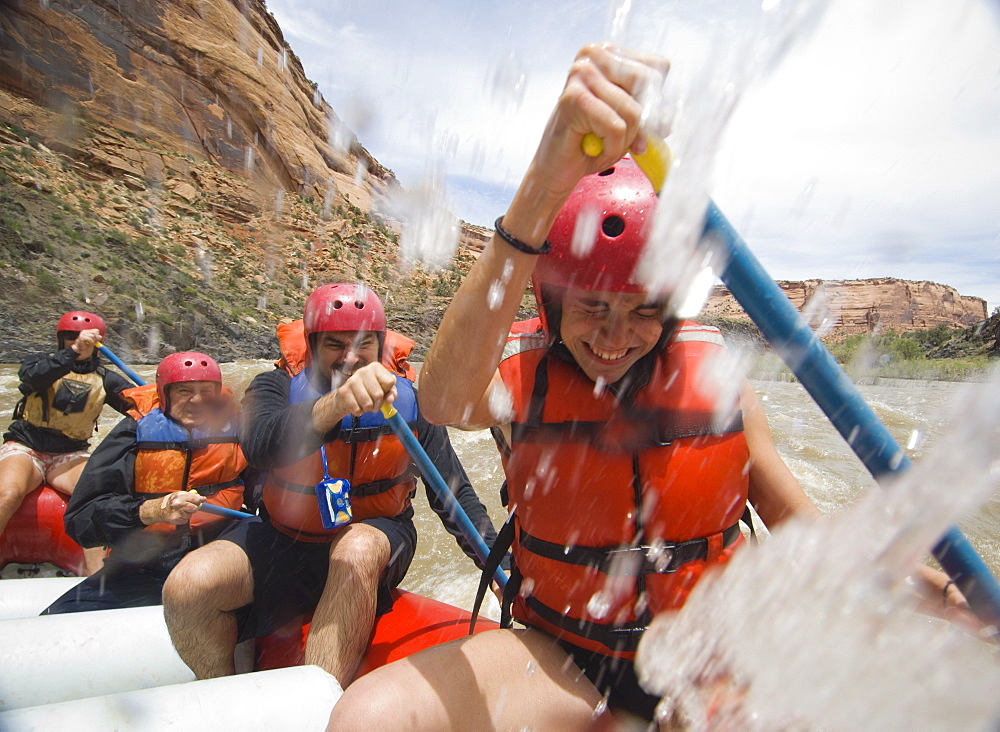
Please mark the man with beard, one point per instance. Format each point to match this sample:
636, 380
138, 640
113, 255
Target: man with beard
302, 429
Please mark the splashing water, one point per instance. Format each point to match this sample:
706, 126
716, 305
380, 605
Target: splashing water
430, 233
507, 79
833, 639
709, 72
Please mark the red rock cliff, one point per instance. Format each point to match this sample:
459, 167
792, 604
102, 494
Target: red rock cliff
858, 306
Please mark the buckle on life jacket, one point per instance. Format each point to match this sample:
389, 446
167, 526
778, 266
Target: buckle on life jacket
632, 561
660, 558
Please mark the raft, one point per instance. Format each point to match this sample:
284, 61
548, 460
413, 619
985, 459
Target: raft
118, 669
35, 534
55, 661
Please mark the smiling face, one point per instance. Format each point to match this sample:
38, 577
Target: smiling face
607, 332
337, 354
193, 403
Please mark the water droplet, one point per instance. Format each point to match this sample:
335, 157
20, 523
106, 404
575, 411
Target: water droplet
494, 297
585, 232
599, 605
527, 587
599, 386
915, 439
532, 667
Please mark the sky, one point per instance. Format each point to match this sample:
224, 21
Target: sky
864, 142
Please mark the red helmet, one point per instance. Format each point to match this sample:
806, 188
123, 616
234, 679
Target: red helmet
78, 320
343, 307
184, 366
619, 204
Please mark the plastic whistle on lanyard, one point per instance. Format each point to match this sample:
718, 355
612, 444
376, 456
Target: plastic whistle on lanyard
334, 499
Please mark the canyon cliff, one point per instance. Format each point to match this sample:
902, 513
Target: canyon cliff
168, 164
864, 306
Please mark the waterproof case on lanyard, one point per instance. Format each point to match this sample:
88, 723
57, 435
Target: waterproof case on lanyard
334, 498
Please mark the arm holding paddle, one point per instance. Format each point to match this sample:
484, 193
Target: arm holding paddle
598, 97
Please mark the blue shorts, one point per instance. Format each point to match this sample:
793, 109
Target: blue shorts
289, 576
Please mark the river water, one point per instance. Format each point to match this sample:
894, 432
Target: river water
915, 412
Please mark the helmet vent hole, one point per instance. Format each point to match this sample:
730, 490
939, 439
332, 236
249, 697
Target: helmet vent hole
613, 226
359, 305
609, 171
338, 305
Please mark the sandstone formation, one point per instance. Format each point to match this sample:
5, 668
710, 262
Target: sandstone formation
168, 164
846, 307
112, 82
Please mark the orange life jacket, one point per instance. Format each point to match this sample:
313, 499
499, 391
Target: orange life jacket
366, 453
618, 508
295, 354
170, 458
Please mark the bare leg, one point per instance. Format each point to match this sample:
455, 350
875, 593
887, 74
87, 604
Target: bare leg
64, 479
501, 679
18, 477
199, 598
345, 614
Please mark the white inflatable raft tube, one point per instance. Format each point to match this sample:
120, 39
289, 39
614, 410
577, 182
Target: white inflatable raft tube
25, 598
298, 698
55, 658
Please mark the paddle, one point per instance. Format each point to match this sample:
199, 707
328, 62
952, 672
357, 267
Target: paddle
223, 511
436, 482
120, 364
818, 371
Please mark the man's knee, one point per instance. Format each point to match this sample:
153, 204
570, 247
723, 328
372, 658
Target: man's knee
211, 576
362, 548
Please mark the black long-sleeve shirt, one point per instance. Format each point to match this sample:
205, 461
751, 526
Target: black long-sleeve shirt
276, 434
38, 372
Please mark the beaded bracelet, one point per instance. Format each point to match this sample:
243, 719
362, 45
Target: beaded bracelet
517, 243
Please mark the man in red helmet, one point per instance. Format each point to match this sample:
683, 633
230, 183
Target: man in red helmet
303, 427
64, 394
626, 473
141, 491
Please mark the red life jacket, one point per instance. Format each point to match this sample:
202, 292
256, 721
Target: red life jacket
370, 457
169, 458
618, 508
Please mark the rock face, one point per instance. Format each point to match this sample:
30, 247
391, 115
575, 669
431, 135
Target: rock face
167, 164
861, 306
209, 79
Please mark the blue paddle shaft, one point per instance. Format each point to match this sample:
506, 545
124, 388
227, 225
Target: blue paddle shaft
838, 397
223, 511
437, 484
121, 364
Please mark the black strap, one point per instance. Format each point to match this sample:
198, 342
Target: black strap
625, 559
185, 445
636, 430
369, 434
205, 491
498, 551
616, 636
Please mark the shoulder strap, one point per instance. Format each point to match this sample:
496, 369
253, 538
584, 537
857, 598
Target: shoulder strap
505, 537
